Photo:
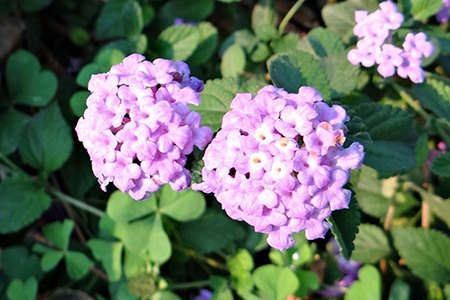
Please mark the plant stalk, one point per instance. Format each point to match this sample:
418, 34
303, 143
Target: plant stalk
289, 15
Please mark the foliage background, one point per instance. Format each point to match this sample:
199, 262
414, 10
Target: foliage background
61, 236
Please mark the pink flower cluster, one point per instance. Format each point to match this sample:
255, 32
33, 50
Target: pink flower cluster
138, 127
374, 47
279, 164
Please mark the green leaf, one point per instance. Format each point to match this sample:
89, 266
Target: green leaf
78, 102
218, 231
159, 247
122, 208
275, 282
434, 94
264, 13
422, 9
425, 252
393, 134
308, 280
439, 206
233, 61
178, 42
22, 290
441, 165
368, 286
119, 18
285, 44
291, 71
400, 290
13, 124
340, 17
189, 10
182, 206
240, 266
27, 84
209, 38
110, 254
216, 98
22, 202
31, 6
345, 226
371, 194
47, 141
325, 42
50, 259
371, 244
342, 75
18, 263
77, 264
59, 233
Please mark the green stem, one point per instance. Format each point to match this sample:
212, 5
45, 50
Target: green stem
289, 15
75, 202
189, 285
411, 102
8, 163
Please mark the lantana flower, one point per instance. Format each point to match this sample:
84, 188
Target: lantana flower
375, 31
138, 127
279, 163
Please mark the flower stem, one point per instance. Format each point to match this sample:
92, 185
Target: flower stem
289, 15
411, 102
75, 202
189, 285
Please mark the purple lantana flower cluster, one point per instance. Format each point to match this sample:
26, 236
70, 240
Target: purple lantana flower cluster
279, 163
138, 127
443, 15
375, 44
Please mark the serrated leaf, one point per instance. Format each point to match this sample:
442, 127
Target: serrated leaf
424, 251
422, 9
22, 290
22, 202
345, 226
434, 94
233, 61
441, 165
77, 264
439, 206
27, 84
371, 244
209, 38
275, 282
13, 124
325, 42
18, 263
218, 232
342, 75
368, 286
59, 233
182, 206
110, 254
122, 208
119, 18
178, 42
340, 17
47, 140
216, 98
291, 71
393, 135
50, 259
371, 194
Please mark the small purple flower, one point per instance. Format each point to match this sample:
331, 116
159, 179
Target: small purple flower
138, 127
443, 15
204, 295
374, 30
273, 163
